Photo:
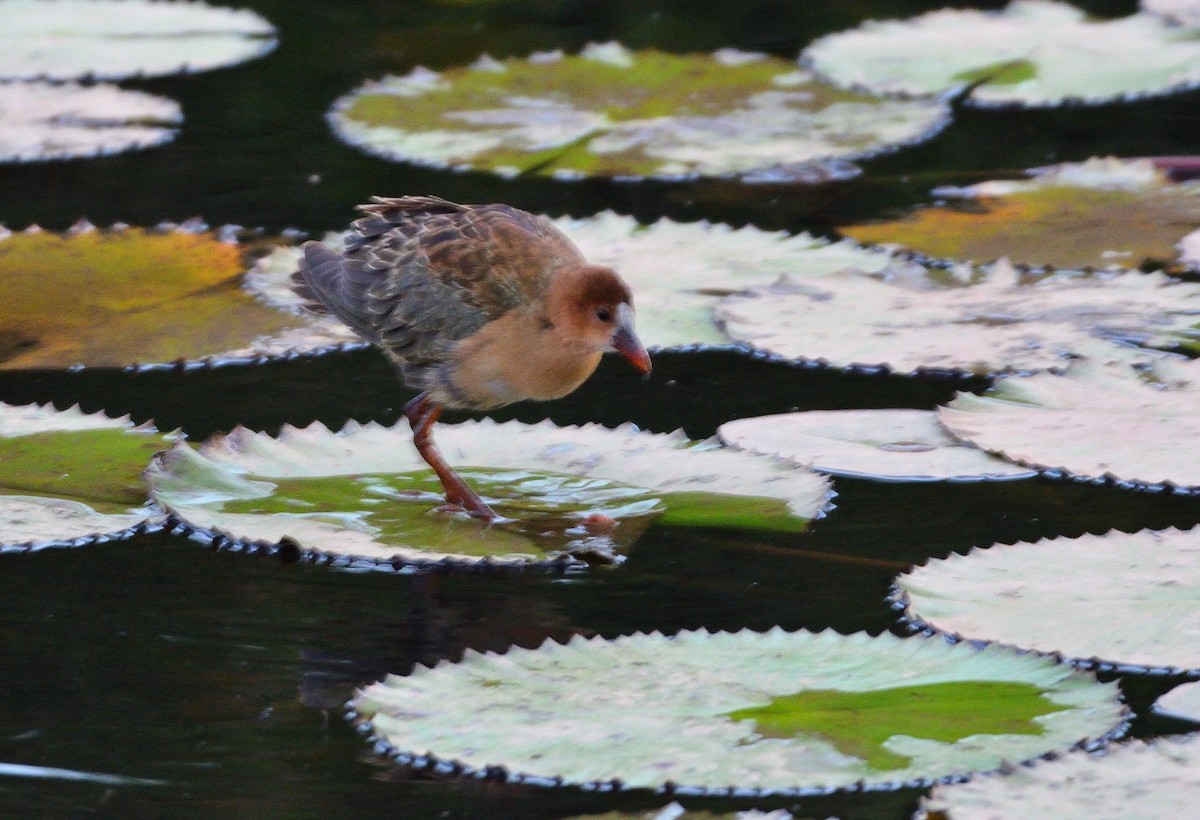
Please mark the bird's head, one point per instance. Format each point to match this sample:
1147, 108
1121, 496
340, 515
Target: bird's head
596, 309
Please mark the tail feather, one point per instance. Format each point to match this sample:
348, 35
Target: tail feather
322, 282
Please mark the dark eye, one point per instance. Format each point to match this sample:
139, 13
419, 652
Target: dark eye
604, 314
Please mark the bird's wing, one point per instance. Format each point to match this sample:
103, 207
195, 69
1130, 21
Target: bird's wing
419, 273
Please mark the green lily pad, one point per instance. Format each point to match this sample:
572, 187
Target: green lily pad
69, 477
629, 114
1095, 422
1033, 53
116, 39
889, 445
859, 724
772, 712
1102, 213
365, 493
982, 321
137, 296
42, 121
1122, 600
678, 271
1126, 780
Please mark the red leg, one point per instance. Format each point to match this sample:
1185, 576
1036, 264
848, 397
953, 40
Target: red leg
421, 414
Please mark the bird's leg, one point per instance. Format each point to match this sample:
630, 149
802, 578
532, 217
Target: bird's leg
421, 413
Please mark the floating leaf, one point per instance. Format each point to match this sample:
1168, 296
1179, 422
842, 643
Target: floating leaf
1033, 53
136, 296
627, 114
41, 121
1129, 600
891, 445
1094, 421
364, 492
68, 476
678, 271
1181, 702
115, 39
1101, 213
1184, 12
771, 712
983, 322
1125, 780
675, 811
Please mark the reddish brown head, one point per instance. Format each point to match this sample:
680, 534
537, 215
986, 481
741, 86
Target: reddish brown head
594, 307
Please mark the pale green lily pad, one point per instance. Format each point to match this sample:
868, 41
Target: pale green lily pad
772, 712
1181, 702
675, 811
629, 114
139, 296
71, 477
888, 445
41, 121
678, 271
364, 492
1094, 421
1033, 53
982, 321
116, 39
1125, 781
1119, 599
1102, 213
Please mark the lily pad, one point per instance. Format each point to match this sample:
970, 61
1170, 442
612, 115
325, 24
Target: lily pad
1181, 702
627, 114
678, 271
1033, 53
981, 321
1094, 422
772, 712
136, 296
1102, 213
1183, 12
116, 39
1127, 780
888, 445
41, 121
365, 493
67, 477
1119, 600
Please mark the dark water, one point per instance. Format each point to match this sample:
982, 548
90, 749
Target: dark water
223, 676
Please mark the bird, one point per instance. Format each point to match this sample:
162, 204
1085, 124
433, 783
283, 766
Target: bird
478, 306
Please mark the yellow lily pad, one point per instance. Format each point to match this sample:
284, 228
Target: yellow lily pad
1101, 213
135, 296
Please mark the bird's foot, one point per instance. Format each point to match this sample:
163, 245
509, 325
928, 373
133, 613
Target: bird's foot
479, 509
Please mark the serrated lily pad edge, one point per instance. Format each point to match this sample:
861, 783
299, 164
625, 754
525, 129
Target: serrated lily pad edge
1105, 480
429, 764
897, 599
289, 551
154, 523
906, 254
